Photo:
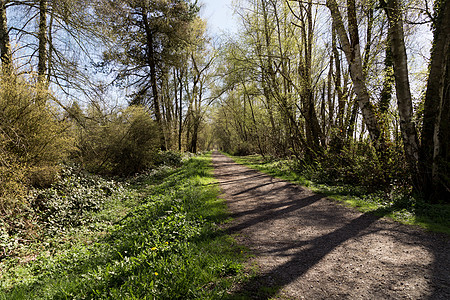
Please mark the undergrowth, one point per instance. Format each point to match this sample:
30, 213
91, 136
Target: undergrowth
397, 202
156, 238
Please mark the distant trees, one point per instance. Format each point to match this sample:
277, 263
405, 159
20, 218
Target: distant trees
148, 38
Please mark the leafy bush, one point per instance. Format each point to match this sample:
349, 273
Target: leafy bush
169, 158
357, 165
13, 190
122, 143
32, 142
243, 149
29, 128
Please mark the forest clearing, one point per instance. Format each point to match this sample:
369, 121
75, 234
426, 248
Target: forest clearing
120, 121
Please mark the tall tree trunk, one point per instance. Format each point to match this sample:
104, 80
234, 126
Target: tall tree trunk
314, 134
50, 47
5, 46
435, 146
43, 42
180, 107
153, 76
330, 97
337, 79
353, 55
370, 21
312, 121
402, 88
388, 81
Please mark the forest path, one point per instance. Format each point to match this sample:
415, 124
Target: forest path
308, 247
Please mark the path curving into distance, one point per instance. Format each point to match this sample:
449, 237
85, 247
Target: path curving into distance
308, 247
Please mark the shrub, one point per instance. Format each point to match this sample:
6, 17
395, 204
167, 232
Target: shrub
243, 149
358, 164
169, 158
13, 189
29, 128
122, 143
32, 141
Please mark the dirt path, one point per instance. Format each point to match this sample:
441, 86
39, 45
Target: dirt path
307, 247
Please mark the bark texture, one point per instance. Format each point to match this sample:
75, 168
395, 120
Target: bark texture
353, 54
402, 87
435, 146
5, 46
43, 41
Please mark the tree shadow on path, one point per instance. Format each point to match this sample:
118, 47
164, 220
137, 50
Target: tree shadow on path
301, 260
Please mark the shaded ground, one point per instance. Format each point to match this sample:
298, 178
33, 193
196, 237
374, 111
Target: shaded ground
308, 247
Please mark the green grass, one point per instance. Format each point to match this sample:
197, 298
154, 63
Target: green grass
161, 239
395, 205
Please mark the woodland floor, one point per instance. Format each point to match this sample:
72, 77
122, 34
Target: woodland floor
306, 246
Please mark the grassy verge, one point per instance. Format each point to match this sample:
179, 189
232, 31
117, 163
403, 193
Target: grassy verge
159, 240
395, 205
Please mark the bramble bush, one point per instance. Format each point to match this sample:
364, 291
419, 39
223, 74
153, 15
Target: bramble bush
357, 165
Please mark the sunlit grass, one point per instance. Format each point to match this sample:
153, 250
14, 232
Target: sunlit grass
161, 240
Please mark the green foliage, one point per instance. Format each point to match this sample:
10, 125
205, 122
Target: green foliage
13, 190
359, 165
168, 247
169, 158
32, 142
72, 199
29, 128
122, 143
242, 149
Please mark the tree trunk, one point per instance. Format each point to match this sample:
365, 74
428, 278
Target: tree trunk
42, 47
337, 79
180, 114
353, 55
402, 88
330, 97
152, 64
435, 146
370, 21
153, 76
388, 81
5, 46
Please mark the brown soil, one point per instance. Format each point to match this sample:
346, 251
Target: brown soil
308, 247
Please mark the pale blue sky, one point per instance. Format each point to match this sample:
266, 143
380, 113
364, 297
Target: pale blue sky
219, 15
